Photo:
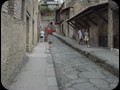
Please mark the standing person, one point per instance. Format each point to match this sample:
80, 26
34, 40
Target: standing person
80, 37
42, 35
51, 27
86, 38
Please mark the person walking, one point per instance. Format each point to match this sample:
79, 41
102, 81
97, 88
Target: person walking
51, 28
42, 35
80, 37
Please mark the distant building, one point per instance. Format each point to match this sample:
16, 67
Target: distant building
51, 3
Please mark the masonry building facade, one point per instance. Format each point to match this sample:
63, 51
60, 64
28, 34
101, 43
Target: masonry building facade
19, 34
100, 17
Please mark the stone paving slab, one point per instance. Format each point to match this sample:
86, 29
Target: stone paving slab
53, 88
38, 73
77, 72
51, 81
105, 58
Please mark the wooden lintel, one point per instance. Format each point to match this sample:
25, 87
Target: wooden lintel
91, 21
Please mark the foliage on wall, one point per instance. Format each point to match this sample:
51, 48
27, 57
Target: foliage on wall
45, 10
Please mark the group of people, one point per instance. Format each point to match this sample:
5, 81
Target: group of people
44, 33
83, 34
83, 37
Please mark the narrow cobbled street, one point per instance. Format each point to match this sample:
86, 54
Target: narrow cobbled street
60, 45
76, 72
56, 66
38, 73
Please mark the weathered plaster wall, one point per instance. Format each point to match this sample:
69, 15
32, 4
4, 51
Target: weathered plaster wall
93, 35
29, 9
13, 46
57, 29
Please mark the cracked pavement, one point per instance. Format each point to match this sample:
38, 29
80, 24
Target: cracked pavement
76, 72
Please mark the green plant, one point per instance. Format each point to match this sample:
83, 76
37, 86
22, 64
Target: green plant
45, 10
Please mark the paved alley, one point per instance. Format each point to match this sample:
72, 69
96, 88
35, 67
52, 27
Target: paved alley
76, 72
59, 67
59, 44
38, 73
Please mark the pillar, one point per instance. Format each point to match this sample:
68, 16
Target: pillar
110, 28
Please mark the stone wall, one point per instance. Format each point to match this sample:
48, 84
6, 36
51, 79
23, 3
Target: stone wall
57, 29
13, 7
93, 32
65, 31
38, 26
18, 9
98, 34
29, 11
113, 25
13, 36
70, 31
75, 34
5, 7
116, 29
35, 21
13, 47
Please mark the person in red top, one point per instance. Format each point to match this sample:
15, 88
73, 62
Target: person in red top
50, 28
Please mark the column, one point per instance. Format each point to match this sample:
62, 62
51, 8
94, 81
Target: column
110, 28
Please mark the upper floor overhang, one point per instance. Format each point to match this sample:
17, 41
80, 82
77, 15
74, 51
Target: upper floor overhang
84, 16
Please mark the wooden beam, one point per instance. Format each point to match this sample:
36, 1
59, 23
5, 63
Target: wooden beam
92, 21
97, 14
72, 25
75, 25
81, 24
78, 25
101, 10
84, 22
84, 14
78, 16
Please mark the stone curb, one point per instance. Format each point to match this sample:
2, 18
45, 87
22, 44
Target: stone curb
50, 73
94, 58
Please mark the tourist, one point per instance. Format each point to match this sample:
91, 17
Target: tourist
42, 35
